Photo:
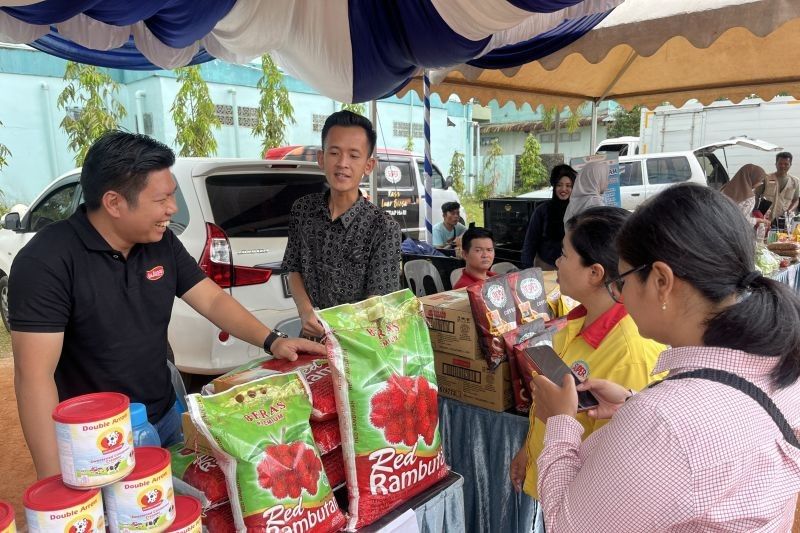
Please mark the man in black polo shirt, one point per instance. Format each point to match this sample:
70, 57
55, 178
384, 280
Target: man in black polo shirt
90, 297
342, 248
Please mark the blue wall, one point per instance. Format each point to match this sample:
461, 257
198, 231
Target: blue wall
30, 82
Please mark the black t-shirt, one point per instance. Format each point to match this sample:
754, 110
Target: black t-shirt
114, 312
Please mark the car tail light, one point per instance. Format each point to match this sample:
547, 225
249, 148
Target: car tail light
217, 262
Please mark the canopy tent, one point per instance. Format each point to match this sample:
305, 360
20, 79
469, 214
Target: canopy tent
350, 50
647, 52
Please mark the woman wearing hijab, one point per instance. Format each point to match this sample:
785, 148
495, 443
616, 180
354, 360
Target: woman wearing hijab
546, 228
588, 192
740, 190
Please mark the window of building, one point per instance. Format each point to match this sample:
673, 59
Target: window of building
570, 137
248, 116
317, 122
547, 138
224, 114
401, 129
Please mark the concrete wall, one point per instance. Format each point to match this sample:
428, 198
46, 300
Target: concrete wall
39, 147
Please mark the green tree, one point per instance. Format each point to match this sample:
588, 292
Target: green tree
5, 155
409, 144
625, 122
194, 114
532, 171
457, 172
93, 92
274, 109
359, 109
487, 187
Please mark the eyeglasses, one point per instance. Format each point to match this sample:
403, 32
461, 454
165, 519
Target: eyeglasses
614, 286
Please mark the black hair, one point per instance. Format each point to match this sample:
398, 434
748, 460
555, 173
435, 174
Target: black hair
559, 171
349, 119
450, 206
120, 161
592, 233
708, 244
784, 155
475, 233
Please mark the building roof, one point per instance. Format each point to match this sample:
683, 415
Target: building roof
532, 126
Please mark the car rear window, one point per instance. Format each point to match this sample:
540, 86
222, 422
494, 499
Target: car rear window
258, 205
666, 170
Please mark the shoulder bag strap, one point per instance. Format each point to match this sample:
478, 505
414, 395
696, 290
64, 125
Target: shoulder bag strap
732, 380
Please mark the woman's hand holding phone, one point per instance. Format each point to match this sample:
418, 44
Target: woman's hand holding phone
553, 400
610, 396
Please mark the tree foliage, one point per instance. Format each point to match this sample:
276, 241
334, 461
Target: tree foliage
409, 147
358, 109
626, 123
194, 114
93, 92
5, 155
491, 172
456, 172
274, 108
532, 171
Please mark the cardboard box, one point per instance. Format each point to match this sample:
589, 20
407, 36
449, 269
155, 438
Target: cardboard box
193, 439
471, 382
451, 325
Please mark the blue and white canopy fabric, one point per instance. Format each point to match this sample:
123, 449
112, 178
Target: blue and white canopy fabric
349, 50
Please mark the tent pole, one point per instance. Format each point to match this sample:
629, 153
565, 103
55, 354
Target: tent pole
373, 176
426, 87
593, 141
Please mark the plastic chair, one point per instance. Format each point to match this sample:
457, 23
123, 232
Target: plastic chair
503, 268
416, 271
455, 275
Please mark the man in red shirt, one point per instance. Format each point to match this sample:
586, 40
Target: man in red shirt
477, 246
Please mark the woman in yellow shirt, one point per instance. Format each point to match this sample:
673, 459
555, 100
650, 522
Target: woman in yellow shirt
600, 339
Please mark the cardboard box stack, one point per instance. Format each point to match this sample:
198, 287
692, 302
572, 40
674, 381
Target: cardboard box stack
461, 370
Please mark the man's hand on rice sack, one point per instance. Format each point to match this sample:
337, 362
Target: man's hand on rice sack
552, 400
290, 348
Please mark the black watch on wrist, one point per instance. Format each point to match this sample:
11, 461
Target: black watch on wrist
273, 335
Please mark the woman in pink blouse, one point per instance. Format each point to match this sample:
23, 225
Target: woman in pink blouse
714, 447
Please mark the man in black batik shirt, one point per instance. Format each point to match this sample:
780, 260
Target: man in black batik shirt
342, 248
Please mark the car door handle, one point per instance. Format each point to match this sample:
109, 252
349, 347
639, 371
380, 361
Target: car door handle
636, 194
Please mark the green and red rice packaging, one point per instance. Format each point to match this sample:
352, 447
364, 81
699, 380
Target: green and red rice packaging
262, 440
386, 395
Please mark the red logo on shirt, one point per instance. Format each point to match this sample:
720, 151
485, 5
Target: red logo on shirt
155, 273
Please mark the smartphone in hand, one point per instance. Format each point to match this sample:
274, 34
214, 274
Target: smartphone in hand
547, 363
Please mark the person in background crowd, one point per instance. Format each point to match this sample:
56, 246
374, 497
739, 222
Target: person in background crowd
546, 228
446, 231
90, 297
477, 245
600, 339
341, 248
780, 188
694, 452
741, 189
590, 185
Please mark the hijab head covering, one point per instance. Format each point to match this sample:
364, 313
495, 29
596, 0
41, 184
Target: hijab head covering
556, 207
741, 186
589, 187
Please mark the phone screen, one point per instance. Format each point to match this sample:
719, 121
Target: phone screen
550, 365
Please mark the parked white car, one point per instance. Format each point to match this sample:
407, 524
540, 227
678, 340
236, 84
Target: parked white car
233, 218
643, 176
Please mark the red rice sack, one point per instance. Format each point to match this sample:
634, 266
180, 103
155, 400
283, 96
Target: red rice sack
219, 520
261, 437
315, 370
522, 399
326, 435
201, 472
386, 393
495, 313
333, 463
527, 288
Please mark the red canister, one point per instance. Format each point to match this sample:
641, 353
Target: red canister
188, 512
50, 505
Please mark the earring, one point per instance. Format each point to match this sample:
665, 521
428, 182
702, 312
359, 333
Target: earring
664, 306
